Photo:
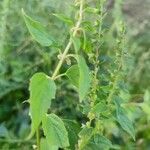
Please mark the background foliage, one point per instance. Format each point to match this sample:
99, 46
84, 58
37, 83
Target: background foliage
20, 57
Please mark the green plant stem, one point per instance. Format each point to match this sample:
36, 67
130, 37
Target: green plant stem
61, 75
70, 41
38, 138
62, 59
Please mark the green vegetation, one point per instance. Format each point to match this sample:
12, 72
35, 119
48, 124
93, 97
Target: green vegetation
73, 76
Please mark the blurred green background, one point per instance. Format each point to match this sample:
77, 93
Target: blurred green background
21, 57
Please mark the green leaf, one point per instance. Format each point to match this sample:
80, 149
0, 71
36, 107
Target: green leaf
146, 109
91, 10
76, 43
98, 142
55, 131
79, 75
73, 75
84, 78
44, 145
38, 31
85, 108
99, 108
86, 44
42, 91
73, 129
124, 121
86, 132
84, 41
64, 18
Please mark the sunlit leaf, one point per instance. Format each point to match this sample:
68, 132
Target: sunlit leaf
79, 75
77, 43
86, 132
91, 10
73, 75
38, 31
45, 146
55, 131
64, 18
84, 78
42, 91
99, 108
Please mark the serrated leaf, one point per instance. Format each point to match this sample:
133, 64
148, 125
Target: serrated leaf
38, 31
99, 108
55, 131
84, 78
86, 132
98, 142
73, 75
42, 91
45, 146
64, 18
117, 100
73, 129
76, 43
124, 121
86, 108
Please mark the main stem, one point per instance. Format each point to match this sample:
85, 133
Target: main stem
70, 41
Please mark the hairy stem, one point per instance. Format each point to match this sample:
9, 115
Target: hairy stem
70, 41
